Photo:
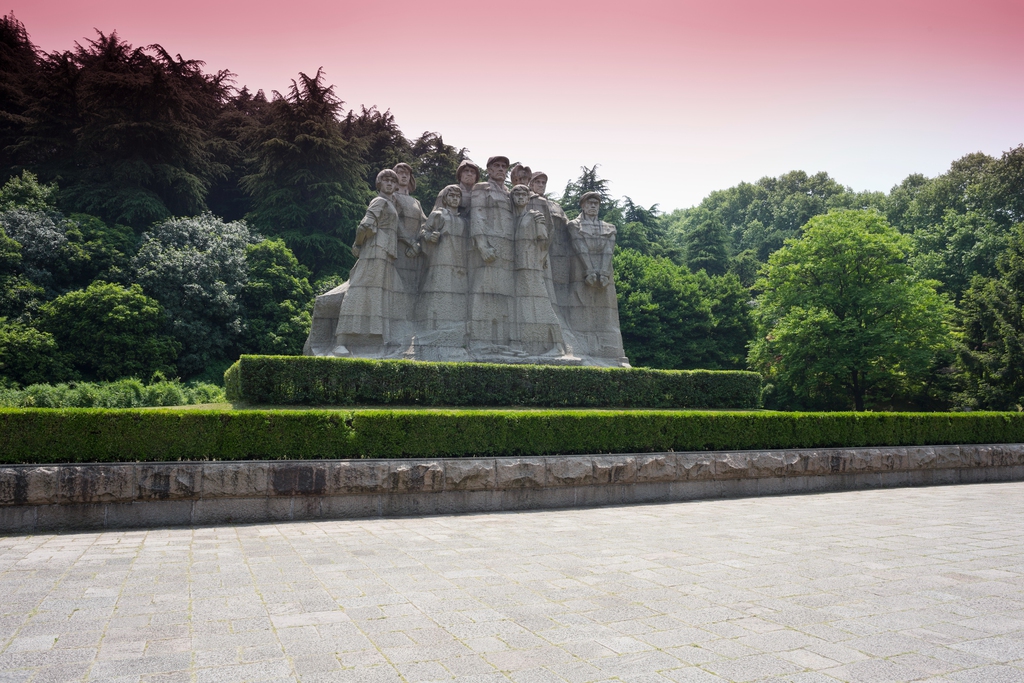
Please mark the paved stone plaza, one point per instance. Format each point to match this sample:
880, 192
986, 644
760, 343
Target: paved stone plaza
885, 585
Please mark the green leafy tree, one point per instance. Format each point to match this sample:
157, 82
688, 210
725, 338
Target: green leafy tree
29, 356
706, 242
19, 69
108, 332
842, 313
277, 300
240, 119
589, 181
435, 165
991, 354
126, 129
195, 268
17, 292
671, 318
48, 258
26, 192
379, 140
958, 248
761, 216
307, 181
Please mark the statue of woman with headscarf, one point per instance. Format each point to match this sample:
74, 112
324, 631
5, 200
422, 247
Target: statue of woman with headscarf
442, 303
537, 329
364, 319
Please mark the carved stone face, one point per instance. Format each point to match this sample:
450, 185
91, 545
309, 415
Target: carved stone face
539, 185
388, 185
520, 198
520, 178
591, 208
497, 171
452, 199
403, 177
467, 177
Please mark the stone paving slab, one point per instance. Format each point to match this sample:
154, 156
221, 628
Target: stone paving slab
881, 585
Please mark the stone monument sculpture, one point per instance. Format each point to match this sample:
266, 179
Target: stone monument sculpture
520, 175
538, 330
593, 307
410, 222
442, 308
492, 234
492, 275
364, 317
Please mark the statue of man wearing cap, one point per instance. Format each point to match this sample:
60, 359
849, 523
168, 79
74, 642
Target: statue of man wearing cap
559, 252
593, 308
410, 221
492, 279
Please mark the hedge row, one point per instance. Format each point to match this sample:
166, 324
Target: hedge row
96, 435
306, 380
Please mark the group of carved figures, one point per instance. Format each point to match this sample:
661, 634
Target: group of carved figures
491, 274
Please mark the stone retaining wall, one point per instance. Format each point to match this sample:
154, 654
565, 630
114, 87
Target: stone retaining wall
75, 496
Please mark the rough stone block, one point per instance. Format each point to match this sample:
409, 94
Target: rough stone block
86, 516
650, 492
170, 481
96, 484
234, 479
852, 460
592, 496
932, 457
778, 486
570, 470
515, 473
539, 499
28, 485
1007, 455
470, 501
150, 513
358, 476
695, 466
817, 461
350, 506
693, 490
305, 507
417, 476
230, 510
18, 518
774, 464
739, 488
411, 504
614, 469
296, 477
469, 474
732, 465
656, 467
975, 455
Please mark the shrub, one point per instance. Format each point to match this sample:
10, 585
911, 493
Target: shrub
125, 393
96, 435
305, 380
109, 331
28, 355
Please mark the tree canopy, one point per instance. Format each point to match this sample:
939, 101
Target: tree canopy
843, 313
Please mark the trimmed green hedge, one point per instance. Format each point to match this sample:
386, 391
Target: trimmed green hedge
306, 380
96, 435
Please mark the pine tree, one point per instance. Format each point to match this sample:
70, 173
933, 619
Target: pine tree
306, 181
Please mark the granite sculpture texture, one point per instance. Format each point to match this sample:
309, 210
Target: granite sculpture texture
491, 275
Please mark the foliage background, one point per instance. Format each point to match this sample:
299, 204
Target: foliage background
156, 217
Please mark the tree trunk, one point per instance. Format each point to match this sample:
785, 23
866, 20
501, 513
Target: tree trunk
858, 391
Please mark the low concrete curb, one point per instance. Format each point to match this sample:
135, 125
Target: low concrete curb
119, 495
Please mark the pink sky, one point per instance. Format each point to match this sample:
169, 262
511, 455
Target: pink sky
672, 99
